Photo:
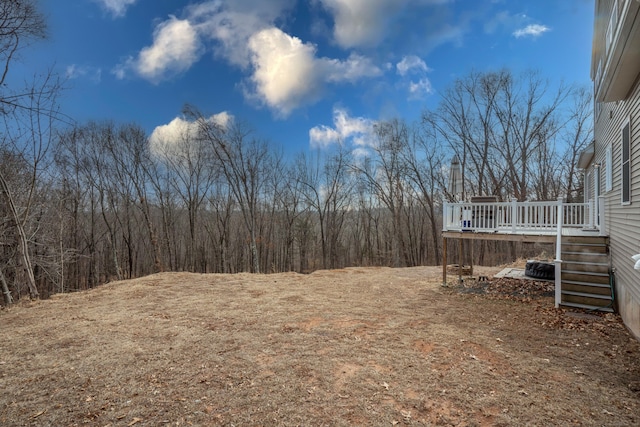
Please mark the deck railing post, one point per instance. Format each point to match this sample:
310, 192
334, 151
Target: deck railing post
558, 260
445, 216
593, 213
514, 214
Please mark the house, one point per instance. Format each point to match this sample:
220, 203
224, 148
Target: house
594, 240
612, 162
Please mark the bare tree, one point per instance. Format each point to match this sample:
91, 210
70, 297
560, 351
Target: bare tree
327, 187
424, 160
576, 135
244, 161
386, 174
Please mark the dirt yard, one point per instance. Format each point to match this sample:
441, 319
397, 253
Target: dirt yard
360, 346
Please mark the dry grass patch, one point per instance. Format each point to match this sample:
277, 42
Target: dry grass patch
359, 346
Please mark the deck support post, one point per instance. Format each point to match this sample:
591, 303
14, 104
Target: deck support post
460, 259
444, 261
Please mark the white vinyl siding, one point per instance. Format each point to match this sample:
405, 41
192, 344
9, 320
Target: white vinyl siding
626, 163
608, 169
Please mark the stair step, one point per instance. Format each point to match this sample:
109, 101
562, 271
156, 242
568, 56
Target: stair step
586, 273
587, 306
579, 283
585, 268
585, 258
585, 249
599, 264
587, 289
585, 277
585, 239
586, 295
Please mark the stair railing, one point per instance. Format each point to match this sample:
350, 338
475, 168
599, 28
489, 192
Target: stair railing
558, 260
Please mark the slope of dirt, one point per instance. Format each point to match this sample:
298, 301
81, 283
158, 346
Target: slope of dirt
360, 346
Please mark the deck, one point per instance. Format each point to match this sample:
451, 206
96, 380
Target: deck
544, 222
532, 221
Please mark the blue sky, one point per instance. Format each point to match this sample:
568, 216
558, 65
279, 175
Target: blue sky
301, 73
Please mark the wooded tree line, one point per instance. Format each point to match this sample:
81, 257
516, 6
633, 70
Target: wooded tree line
83, 204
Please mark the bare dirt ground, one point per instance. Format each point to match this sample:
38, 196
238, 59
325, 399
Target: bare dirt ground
360, 346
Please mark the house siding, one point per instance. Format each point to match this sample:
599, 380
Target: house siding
623, 221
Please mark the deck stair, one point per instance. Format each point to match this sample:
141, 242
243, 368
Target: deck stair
585, 273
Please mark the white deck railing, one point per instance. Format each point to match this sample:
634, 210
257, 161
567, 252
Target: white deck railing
550, 217
519, 217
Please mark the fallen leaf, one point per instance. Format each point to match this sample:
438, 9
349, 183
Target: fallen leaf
38, 414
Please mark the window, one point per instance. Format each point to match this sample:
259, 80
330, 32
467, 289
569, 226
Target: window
626, 163
608, 170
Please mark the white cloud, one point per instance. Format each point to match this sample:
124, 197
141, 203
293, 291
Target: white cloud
232, 23
533, 30
75, 71
117, 8
352, 69
323, 136
361, 22
418, 90
175, 48
284, 72
287, 74
356, 130
411, 63
173, 139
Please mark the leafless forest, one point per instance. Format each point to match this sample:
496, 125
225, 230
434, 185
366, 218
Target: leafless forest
86, 203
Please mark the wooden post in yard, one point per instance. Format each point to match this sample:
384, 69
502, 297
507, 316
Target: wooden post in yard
460, 241
444, 261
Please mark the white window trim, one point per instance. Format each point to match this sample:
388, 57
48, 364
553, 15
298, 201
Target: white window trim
623, 202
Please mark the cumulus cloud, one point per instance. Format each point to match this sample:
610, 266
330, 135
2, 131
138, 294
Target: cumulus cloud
356, 130
117, 8
175, 138
411, 63
176, 47
283, 72
232, 23
533, 30
361, 22
287, 73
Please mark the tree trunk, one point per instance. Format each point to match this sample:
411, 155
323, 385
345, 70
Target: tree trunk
23, 244
8, 299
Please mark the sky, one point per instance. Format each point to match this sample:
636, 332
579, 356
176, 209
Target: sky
302, 74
